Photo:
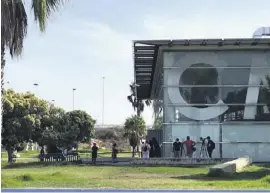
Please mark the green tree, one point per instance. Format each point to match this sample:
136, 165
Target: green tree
22, 114
26, 117
51, 124
65, 129
78, 127
134, 128
14, 24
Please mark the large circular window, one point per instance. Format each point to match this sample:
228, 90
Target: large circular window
197, 85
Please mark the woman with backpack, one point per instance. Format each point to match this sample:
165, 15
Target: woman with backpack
145, 150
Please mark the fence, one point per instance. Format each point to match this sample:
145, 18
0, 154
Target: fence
58, 157
108, 154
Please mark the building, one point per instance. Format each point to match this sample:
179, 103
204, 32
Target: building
212, 87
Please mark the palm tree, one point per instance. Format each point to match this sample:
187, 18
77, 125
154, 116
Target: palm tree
134, 129
137, 104
14, 24
157, 108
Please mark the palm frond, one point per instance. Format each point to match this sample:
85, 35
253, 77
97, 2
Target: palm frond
13, 25
42, 10
157, 107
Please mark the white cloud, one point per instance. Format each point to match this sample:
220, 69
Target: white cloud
204, 26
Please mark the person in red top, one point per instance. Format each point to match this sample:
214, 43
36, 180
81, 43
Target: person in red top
189, 146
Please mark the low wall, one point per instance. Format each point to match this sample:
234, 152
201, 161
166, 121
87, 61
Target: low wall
230, 167
172, 161
105, 160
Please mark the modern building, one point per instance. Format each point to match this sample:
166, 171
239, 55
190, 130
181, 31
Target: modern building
210, 87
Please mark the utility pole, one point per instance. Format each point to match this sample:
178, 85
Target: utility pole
73, 97
103, 84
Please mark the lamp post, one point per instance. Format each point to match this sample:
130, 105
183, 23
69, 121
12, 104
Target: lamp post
103, 82
7, 84
73, 97
36, 88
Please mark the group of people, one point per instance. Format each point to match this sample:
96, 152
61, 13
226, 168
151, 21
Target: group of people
150, 149
187, 148
95, 150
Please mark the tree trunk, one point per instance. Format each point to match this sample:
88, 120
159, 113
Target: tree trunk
133, 152
3, 63
138, 112
9, 151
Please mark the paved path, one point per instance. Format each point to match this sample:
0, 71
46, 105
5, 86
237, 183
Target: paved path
128, 191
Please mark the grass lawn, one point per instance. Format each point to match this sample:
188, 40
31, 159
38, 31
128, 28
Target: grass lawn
26, 154
32, 175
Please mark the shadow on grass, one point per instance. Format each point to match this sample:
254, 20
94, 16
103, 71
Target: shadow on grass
245, 175
265, 165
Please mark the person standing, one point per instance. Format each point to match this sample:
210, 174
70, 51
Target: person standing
210, 146
145, 150
42, 154
114, 153
94, 153
157, 152
177, 148
190, 147
152, 149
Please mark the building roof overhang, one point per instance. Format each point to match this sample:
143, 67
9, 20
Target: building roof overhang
146, 53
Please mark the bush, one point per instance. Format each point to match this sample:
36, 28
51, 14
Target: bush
112, 135
115, 134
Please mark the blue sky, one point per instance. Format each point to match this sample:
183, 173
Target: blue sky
89, 39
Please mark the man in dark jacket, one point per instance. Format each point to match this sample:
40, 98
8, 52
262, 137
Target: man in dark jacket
210, 146
94, 153
177, 148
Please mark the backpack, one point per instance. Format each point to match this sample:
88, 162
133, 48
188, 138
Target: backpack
213, 145
177, 146
193, 148
145, 148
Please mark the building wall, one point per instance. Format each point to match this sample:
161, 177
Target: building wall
221, 94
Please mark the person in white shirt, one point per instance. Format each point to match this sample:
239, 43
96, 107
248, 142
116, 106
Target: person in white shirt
145, 150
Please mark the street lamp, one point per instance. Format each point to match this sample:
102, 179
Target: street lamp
73, 97
36, 85
103, 81
8, 83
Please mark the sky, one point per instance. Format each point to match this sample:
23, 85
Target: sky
88, 39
